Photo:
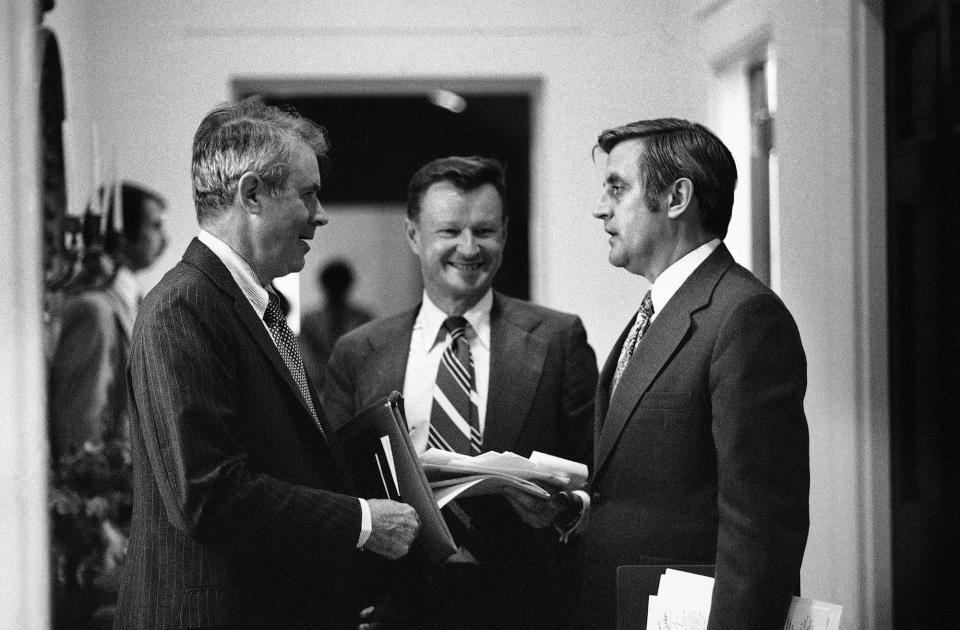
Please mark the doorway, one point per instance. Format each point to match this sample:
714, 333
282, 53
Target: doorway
923, 158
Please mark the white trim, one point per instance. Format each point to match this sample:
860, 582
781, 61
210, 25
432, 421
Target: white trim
24, 571
872, 358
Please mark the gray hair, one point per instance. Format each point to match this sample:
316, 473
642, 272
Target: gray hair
247, 137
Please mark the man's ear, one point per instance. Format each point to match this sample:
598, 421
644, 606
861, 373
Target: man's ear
249, 191
413, 235
679, 197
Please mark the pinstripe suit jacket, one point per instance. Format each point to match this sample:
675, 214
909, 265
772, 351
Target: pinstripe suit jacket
543, 376
239, 514
701, 455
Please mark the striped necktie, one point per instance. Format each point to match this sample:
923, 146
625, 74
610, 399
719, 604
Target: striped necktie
636, 334
287, 345
454, 420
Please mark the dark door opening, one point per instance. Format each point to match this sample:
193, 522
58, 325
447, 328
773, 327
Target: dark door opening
923, 157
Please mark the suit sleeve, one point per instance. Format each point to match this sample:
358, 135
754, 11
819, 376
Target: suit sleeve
579, 395
757, 385
86, 378
338, 385
183, 375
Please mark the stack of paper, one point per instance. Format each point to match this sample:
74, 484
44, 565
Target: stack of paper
682, 602
453, 475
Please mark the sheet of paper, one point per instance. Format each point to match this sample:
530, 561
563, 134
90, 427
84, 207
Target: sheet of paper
480, 485
809, 614
385, 442
676, 614
686, 586
575, 470
497, 463
683, 598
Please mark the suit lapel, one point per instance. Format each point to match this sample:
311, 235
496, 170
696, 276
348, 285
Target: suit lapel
665, 334
204, 259
392, 351
516, 363
603, 384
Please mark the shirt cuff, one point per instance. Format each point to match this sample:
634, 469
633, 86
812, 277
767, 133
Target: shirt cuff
577, 525
366, 524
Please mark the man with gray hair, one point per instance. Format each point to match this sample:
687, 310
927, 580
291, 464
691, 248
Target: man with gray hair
243, 512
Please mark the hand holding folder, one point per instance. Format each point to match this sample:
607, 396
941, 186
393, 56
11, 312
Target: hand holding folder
385, 465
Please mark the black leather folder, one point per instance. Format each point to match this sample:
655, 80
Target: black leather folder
384, 464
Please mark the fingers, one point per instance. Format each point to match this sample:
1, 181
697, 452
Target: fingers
534, 511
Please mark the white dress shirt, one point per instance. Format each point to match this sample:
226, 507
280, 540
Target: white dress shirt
127, 289
427, 343
257, 295
673, 277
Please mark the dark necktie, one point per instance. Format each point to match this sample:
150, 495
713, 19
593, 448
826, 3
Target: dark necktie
454, 420
287, 345
636, 334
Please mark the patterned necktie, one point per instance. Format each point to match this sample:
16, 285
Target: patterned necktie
287, 344
636, 334
454, 420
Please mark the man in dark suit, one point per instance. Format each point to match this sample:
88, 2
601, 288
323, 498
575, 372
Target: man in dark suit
243, 515
532, 381
701, 447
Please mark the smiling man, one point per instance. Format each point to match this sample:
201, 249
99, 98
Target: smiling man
479, 371
243, 514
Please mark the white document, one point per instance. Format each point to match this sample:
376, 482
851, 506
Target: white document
476, 485
385, 442
554, 472
683, 599
664, 613
810, 614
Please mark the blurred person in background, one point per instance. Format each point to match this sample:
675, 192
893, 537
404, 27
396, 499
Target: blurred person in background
321, 328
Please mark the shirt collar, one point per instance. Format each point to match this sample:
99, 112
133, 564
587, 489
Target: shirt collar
673, 277
430, 319
240, 270
126, 287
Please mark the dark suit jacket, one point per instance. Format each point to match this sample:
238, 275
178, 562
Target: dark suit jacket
541, 393
701, 456
238, 514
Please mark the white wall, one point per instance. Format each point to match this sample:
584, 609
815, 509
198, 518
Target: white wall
24, 570
829, 131
150, 71
146, 72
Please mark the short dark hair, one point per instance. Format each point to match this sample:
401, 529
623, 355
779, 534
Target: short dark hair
675, 148
133, 200
247, 136
466, 173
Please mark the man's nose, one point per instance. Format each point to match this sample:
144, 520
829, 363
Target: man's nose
319, 216
602, 211
467, 243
